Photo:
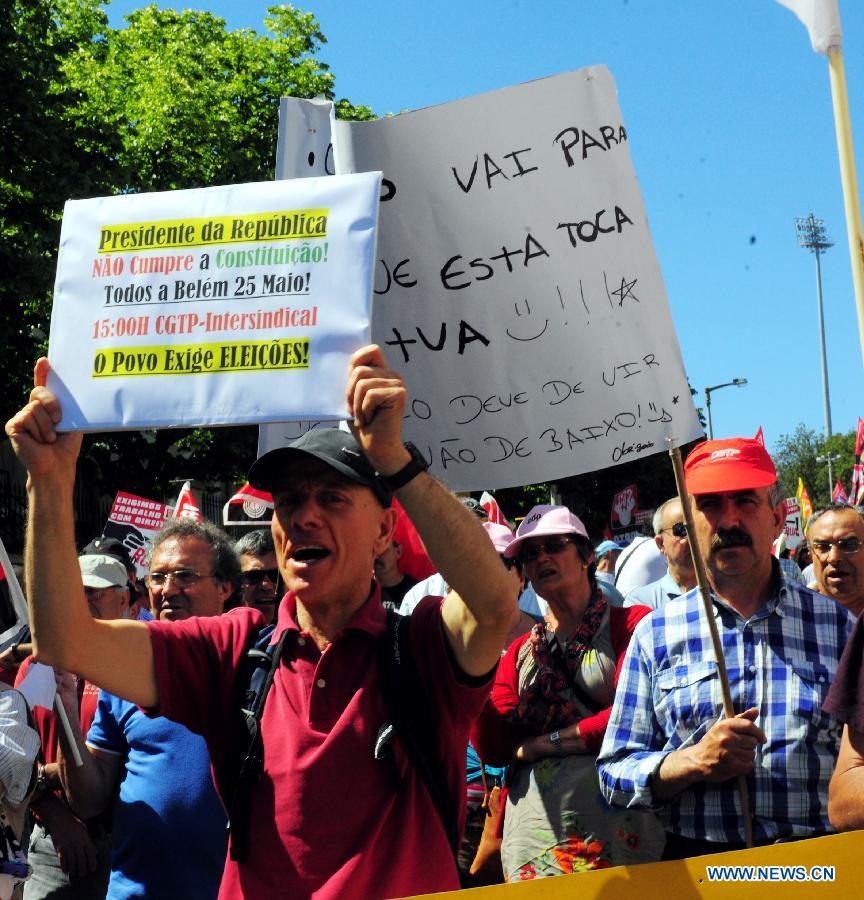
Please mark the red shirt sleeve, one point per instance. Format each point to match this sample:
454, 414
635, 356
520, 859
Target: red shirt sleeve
195, 661
493, 736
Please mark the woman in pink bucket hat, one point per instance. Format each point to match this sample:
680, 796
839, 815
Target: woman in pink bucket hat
549, 709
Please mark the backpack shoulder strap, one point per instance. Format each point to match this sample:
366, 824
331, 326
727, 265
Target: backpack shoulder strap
407, 705
246, 755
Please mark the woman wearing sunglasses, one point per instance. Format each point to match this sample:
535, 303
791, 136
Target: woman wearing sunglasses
549, 708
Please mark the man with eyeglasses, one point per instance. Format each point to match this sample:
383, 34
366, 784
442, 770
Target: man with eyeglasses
162, 769
668, 746
259, 574
836, 538
670, 536
333, 814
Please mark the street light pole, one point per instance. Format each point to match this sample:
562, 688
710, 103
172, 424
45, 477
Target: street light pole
735, 382
828, 458
811, 234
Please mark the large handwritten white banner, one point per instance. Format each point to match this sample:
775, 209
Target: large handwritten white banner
217, 306
516, 284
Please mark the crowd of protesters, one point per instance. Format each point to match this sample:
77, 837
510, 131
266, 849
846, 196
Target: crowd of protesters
546, 703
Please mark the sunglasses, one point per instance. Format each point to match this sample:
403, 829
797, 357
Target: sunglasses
846, 546
550, 546
679, 530
257, 576
509, 563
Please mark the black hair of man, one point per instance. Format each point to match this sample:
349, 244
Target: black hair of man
226, 562
256, 543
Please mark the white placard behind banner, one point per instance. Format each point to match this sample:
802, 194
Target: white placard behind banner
217, 306
793, 527
517, 287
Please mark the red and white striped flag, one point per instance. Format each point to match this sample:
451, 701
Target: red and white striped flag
493, 510
858, 470
186, 507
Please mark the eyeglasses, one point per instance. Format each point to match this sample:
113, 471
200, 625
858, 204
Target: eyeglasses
509, 563
257, 576
551, 546
182, 578
847, 546
679, 530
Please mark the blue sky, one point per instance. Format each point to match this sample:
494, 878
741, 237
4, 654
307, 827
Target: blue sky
731, 132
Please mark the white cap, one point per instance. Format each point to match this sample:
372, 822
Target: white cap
99, 571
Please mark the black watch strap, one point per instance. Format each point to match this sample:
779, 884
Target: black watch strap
411, 469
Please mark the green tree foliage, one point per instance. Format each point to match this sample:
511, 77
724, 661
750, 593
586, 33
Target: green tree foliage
795, 456
171, 100
189, 104
42, 164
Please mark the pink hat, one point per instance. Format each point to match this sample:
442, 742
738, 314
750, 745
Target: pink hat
500, 535
542, 520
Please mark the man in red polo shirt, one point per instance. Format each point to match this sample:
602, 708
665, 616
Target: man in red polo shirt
327, 818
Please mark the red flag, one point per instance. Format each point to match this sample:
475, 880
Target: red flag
413, 561
760, 437
493, 510
186, 507
838, 495
248, 507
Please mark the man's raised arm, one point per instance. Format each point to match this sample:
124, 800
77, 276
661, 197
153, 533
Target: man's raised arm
483, 596
114, 655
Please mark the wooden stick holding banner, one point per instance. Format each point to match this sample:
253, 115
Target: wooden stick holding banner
849, 180
705, 592
67, 730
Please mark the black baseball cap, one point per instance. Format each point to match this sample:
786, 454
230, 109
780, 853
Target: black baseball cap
474, 506
109, 546
338, 449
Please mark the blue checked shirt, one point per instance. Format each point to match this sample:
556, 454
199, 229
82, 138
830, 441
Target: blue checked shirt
782, 661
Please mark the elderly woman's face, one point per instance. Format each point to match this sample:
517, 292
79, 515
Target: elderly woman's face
553, 563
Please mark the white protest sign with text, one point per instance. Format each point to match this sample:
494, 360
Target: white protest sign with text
517, 288
793, 526
134, 521
217, 306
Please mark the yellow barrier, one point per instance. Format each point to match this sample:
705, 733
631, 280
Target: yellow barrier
688, 879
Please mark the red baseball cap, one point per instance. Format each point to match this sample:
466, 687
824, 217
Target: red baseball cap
732, 464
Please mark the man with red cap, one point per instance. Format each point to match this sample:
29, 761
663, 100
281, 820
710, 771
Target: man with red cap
669, 746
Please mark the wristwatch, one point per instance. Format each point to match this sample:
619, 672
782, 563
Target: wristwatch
555, 740
411, 469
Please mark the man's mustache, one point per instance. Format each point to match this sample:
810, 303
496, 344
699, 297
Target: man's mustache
730, 537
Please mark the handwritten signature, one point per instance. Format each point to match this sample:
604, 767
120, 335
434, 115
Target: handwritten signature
626, 449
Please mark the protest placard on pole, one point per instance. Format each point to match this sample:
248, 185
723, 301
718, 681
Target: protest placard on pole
516, 283
134, 521
793, 527
217, 306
